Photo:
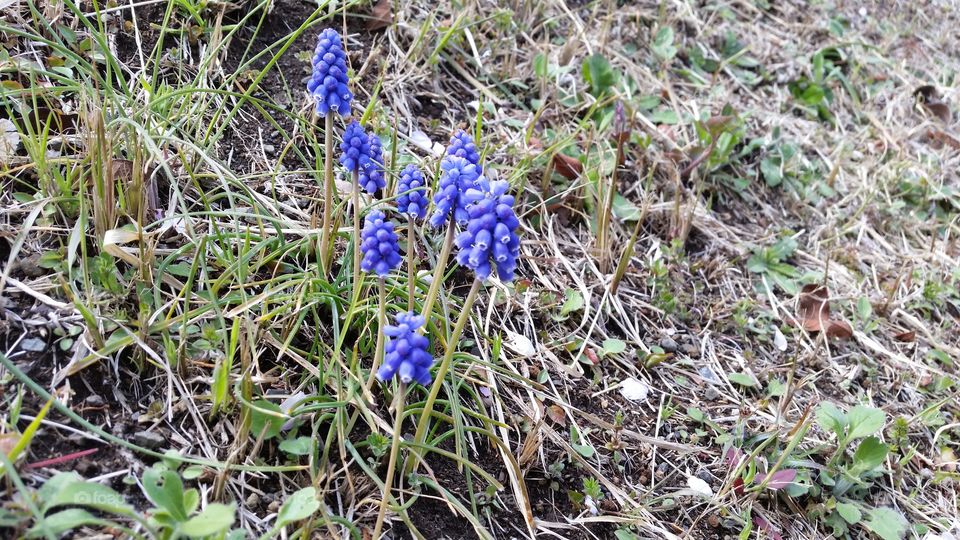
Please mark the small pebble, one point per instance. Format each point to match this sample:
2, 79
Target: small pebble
149, 439
94, 401
712, 394
668, 344
269, 149
690, 350
33, 345
713, 521
273, 506
252, 501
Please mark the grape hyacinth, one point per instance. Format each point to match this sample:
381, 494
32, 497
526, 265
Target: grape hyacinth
462, 145
328, 84
381, 254
411, 193
371, 174
457, 176
406, 351
491, 232
355, 148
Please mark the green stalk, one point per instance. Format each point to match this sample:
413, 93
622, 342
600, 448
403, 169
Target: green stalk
411, 265
438, 272
381, 322
424, 422
356, 234
325, 232
394, 450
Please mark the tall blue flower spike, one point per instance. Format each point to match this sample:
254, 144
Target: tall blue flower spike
381, 254
462, 145
355, 148
406, 352
457, 176
490, 236
412, 193
371, 174
328, 84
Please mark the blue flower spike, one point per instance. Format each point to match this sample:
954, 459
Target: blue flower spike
490, 240
371, 174
355, 148
406, 352
328, 83
412, 193
457, 176
462, 145
381, 254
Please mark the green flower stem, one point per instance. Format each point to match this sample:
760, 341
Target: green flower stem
424, 422
438, 273
411, 265
394, 450
356, 234
381, 323
325, 232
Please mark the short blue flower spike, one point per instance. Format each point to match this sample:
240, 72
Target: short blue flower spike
457, 175
462, 145
412, 193
328, 84
371, 174
381, 254
406, 352
355, 148
490, 236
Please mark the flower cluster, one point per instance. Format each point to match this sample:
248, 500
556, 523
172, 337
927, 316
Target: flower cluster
381, 254
491, 232
406, 351
371, 174
462, 145
355, 148
328, 84
456, 177
411, 193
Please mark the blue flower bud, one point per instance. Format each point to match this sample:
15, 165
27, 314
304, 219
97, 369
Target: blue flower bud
371, 174
406, 352
412, 193
328, 83
355, 148
457, 178
490, 235
462, 145
378, 245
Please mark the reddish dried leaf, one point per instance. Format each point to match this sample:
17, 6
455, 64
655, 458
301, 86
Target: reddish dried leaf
839, 330
942, 137
940, 110
813, 309
738, 486
557, 414
778, 480
733, 456
592, 356
766, 527
907, 337
813, 313
381, 16
570, 167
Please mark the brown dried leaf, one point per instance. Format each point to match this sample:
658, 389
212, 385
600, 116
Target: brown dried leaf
839, 330
557, 414
570, 167
907, 337
813, 309
381, 16
813, 313
929, 97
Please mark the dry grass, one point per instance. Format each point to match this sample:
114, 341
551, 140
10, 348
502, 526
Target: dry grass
871, 199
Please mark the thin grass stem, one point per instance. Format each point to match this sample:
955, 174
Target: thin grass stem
381, 323
394, 450
424, 421
325, 231
355, 194
438, 272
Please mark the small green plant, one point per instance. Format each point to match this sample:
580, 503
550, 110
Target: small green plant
769, 263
